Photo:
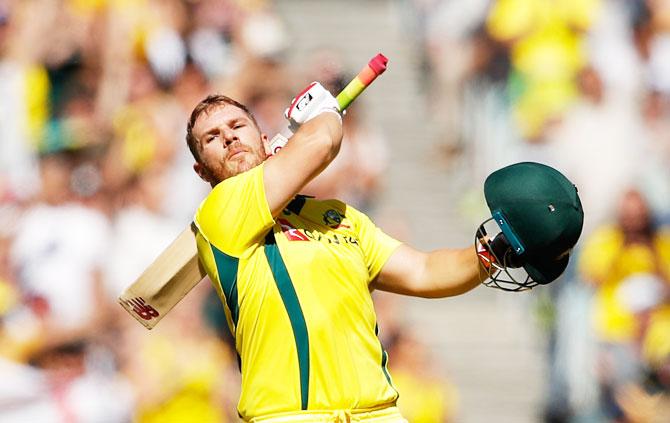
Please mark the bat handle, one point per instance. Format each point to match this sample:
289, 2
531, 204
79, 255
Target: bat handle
375, 67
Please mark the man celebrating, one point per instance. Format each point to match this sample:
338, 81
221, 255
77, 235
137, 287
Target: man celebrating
295, 273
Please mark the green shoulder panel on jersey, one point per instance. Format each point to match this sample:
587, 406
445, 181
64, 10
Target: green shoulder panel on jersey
295, 314
226, 266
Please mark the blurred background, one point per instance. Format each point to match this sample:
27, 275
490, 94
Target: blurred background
96, 179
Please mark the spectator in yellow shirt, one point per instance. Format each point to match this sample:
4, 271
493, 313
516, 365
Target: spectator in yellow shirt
628, 263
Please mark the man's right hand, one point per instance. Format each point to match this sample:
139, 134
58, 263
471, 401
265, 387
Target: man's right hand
311, 102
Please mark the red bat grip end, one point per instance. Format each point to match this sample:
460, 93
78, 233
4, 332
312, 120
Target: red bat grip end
378, 64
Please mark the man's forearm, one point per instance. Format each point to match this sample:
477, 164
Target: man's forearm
306, 155
450, 272
441, 273
326, 130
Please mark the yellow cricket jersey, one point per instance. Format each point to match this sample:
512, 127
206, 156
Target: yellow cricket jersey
607, 260
297, 299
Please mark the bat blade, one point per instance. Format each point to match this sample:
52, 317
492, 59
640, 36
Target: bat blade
165, 282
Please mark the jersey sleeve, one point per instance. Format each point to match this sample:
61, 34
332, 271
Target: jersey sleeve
235, 214
377, 246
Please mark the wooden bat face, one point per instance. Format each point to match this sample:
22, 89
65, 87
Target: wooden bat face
165, 282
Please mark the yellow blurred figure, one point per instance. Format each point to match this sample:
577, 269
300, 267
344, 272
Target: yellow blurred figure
139, 138
36, 89
424, 397
545, 41
9, 297
21, 334
509, 20
613, 256
608, 260
605, 250
86, 7
189, 372
423, 400
181, 369
656, 344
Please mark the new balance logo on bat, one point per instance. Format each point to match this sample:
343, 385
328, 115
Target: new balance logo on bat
142, 309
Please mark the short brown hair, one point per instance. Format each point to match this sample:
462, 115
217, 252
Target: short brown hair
204, 106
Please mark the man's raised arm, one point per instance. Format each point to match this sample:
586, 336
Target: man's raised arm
313, 146
440, 273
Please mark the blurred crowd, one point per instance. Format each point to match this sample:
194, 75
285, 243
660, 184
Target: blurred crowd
96, 180
583, 86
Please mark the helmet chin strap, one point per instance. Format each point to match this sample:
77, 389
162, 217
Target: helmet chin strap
497, 270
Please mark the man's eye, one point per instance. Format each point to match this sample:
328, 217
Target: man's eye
210, 138
238, 126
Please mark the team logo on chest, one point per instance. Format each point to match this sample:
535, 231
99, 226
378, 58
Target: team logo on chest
333, 219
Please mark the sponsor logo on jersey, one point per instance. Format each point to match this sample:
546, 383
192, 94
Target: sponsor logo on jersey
292, 234
331, 238
295, 234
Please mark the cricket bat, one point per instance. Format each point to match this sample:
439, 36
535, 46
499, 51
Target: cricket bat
177, 269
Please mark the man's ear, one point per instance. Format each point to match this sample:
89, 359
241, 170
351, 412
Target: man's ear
202, 172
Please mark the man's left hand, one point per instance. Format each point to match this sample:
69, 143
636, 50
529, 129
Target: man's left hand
311, 102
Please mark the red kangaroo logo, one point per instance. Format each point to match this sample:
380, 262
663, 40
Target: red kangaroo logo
291, 233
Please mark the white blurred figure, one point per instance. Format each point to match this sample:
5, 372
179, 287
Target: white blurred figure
451, 55
24, 394
186, 189
18, 166
140, 231
609, 131
59, 248
612, 49
264, 35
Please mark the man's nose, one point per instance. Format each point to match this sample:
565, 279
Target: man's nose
228, 137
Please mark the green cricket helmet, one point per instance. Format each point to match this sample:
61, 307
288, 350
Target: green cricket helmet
536, 212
